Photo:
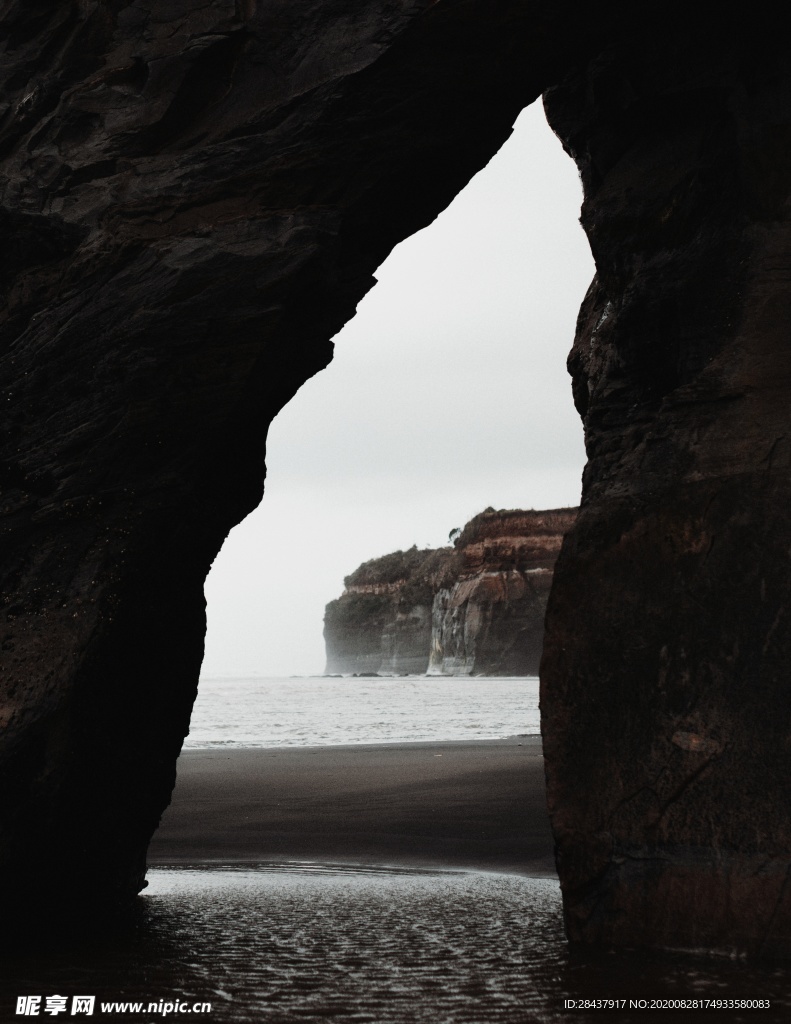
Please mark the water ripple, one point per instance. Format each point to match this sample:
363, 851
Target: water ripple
290, 942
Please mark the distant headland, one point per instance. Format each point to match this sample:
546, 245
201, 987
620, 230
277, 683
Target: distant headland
474, 608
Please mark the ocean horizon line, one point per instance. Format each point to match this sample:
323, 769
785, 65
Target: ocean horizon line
351, 675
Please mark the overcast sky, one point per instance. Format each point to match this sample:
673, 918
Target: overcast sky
448, 393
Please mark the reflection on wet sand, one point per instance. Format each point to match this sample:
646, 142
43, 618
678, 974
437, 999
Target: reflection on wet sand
288, 942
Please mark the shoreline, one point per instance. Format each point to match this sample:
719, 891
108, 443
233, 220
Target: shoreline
529, 738
458, 804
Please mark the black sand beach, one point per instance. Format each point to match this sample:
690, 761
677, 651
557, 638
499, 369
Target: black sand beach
275, 937
462, 805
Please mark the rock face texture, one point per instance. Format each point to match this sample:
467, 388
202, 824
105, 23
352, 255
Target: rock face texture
382, 621
475, 609
490, 619
665, 682
194, 197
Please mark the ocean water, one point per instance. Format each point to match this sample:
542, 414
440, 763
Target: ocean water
316, 710
310, 943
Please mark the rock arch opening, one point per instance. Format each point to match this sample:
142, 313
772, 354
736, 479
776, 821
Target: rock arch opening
447, 394
178, 259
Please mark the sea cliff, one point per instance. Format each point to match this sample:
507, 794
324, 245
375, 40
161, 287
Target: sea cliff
476, 608
383, 620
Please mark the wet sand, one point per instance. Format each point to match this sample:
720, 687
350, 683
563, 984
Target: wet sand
475, 805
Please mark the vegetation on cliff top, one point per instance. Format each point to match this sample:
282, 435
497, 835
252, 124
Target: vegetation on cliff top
421, 572
396, 567
370, 610
418, 575
414, 576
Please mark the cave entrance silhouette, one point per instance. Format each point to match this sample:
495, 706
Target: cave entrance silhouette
379, 451
495, 282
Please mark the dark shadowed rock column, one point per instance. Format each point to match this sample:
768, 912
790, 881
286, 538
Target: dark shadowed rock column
194, 197
666, 693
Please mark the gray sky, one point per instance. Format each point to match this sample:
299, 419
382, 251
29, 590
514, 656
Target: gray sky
448, 393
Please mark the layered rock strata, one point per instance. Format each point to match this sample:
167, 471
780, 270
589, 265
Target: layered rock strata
382, 621
490, 619
474, 609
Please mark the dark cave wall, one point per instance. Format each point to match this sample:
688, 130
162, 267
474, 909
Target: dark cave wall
194, 199
665, 688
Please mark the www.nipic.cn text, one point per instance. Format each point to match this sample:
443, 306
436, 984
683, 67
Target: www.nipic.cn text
77, 1006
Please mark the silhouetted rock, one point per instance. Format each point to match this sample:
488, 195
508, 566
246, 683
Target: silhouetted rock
665, 686
194, 199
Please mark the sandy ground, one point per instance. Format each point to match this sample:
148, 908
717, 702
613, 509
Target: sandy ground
460, 805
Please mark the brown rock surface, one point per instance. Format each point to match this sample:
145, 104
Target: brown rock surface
490, 619
475, 609
665, 680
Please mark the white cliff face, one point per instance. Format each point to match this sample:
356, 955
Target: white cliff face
465, 634
448, 643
